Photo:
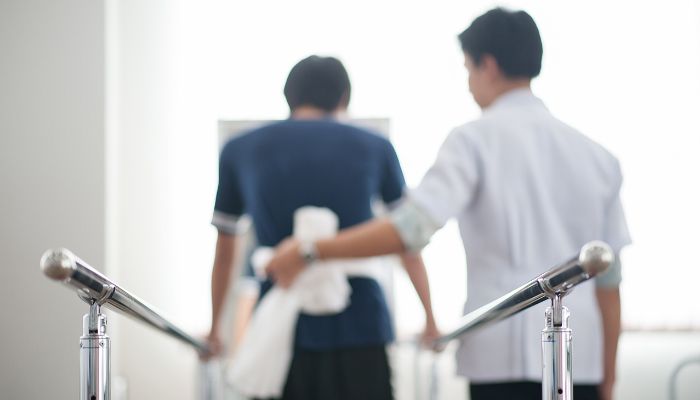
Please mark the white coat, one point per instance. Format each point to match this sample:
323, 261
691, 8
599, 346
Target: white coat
528, 191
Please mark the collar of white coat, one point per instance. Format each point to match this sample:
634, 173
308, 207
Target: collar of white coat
514, 98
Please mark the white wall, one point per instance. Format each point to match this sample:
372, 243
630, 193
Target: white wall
51, 185
647, 359
157, 228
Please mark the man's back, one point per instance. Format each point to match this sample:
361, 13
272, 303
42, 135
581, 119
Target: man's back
545, 189
272, 171
283, 166
528, 191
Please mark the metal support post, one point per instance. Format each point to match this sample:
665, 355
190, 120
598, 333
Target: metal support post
557, 383
95, 349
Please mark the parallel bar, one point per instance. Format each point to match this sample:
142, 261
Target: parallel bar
62, 265
594, 258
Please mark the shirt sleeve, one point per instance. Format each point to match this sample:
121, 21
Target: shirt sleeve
450, 184
616, 233
611, 278
229, 203
392, 182
414, 225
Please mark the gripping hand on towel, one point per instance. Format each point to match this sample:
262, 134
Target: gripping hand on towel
374, 238
287, 263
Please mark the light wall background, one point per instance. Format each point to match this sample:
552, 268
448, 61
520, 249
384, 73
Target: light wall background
109, 117
52, 191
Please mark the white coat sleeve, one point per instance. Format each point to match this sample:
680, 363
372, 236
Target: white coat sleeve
450, 184
615, 233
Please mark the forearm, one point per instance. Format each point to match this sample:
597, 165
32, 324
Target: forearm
415, 268
375, 238
610, 310
220, 278
407, 228
219, 289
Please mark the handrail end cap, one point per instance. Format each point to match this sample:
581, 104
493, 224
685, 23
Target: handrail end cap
58, 264
596, 257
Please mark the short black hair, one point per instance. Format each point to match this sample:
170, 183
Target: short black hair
317, 81
511, 37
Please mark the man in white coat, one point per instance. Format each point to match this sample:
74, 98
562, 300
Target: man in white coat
528, 191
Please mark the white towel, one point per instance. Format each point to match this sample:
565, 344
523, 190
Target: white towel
261, 363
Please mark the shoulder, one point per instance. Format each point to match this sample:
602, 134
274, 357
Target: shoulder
373, 142
609, 164
369, 135
244, 141
599, 153
468, 135
591, 156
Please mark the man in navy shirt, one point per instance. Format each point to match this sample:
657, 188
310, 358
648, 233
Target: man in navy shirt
312, 159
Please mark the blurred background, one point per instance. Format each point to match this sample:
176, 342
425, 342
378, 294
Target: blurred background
109, 147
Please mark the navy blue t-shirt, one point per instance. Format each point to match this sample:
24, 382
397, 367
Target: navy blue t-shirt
272, 171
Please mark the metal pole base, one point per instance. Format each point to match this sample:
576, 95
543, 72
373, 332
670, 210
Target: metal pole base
94, 356
557, 381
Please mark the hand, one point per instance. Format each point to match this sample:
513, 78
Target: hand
430, 334
605, 390
286, 264
215, 347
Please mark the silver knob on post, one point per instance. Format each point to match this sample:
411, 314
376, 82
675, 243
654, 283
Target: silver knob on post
595, 257
58, 264
61, 265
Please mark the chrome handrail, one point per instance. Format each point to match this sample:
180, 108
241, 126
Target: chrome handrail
594, 258
92, 286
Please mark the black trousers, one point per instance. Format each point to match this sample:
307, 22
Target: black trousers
341, 374
524, 391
